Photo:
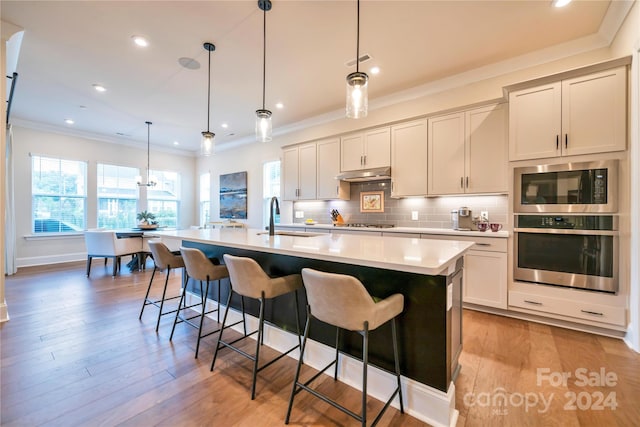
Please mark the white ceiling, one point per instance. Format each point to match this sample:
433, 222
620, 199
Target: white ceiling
70, 45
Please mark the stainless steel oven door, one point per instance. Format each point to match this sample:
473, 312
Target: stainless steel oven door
586, 259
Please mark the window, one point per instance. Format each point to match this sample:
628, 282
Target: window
271, 188
163, 200
117, 196
59, 195
205, 198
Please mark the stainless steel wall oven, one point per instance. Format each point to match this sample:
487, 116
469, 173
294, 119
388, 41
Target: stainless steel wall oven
579, 251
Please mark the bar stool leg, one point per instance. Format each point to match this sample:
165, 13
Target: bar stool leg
258, 344
365, 363
182, 302
202, 315
397, 363
335, 371
297, 376
224, 321
164, 293
146, 297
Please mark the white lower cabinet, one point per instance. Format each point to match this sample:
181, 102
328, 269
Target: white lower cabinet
560, 303
485, 270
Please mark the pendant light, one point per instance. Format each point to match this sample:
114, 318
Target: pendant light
357, 97
207, 144
151, 180
263, 116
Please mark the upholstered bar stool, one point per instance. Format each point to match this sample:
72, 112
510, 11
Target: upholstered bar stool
248, 279
202, 269
342, 301
163, 259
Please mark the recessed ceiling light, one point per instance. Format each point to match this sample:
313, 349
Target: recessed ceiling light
176, 143
224, 125
279, 105
99, 88
69, 121
140, 41
560, 3
374, 70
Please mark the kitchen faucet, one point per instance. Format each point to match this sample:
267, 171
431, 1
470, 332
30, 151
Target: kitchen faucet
271, 227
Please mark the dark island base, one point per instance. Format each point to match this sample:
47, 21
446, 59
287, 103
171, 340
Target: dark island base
425, 328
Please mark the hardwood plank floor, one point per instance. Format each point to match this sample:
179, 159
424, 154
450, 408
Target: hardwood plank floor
75, 353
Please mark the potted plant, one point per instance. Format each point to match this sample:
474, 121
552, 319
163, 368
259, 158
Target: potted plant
146, 218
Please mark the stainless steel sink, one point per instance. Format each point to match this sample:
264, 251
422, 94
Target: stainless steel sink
293, 233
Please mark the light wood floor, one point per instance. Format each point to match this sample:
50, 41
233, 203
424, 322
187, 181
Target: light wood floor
75, 353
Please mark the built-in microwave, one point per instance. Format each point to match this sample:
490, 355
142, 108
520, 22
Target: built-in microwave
570, 187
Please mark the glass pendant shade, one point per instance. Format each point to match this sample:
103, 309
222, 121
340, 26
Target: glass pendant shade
263, 125
206, 145
357, 96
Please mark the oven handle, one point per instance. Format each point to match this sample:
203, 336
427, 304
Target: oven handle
567, 231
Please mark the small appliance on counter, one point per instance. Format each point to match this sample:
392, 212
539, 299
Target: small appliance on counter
454, 219
465, 220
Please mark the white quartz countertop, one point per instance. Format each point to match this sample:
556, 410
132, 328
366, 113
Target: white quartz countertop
418, 230
422, 256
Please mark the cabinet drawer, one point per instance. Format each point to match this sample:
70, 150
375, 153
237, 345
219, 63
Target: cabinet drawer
492, 244
571, 308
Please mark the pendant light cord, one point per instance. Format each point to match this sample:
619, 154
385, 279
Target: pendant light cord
358, 40
264, 54
209, 92
148, 149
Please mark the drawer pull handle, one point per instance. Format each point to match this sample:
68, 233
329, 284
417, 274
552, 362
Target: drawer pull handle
483, 244
594, 313
532, 302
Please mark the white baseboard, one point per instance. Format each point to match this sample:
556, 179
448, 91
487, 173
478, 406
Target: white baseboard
50, 259
425, 403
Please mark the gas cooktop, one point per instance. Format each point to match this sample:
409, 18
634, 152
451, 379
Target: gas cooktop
364, 225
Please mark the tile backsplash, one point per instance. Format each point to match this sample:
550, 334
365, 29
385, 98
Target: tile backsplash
433, 212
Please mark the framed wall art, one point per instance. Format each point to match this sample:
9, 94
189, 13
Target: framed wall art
372, 201
233, 195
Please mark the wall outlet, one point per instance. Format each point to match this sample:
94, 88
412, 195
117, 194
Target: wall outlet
414, 215
484, 215
299, 214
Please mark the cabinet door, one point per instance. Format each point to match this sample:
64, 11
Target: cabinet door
352, 147
534, 122
377, 148
290, 174
446, 154
307, 172
409, 159
594, 113
328, 167
486, 149
485, 278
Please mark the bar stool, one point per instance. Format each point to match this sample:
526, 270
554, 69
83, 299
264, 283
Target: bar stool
163, 259
342, 301
249, 280
202, 269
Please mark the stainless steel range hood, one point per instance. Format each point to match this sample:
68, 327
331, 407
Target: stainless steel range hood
375, 174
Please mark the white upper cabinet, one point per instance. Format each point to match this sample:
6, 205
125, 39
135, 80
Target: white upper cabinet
486, 150
299, 172
366, 150
468, 152
328, 152
409, 159
582, 115
446, 154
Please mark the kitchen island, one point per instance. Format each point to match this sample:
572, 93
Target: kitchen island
427, 272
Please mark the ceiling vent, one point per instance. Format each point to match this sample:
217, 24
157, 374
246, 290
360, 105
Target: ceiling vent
363, 58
